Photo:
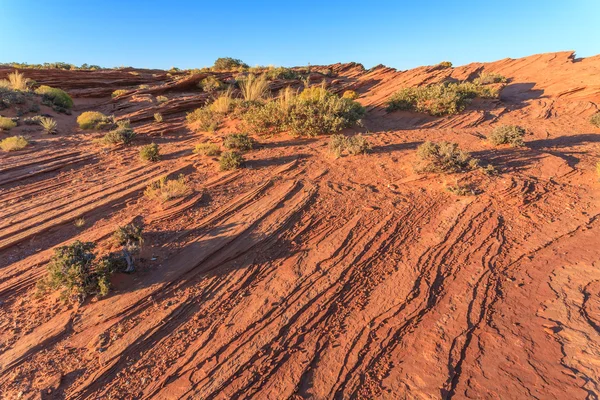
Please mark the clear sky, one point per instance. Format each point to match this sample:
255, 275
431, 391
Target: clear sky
192, 34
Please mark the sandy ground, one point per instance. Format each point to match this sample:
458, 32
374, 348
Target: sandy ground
306, 276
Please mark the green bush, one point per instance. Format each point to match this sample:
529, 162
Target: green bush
441, 98
320, 112
350, 94
507, 134
595, 120
6, 124
150, 152
281, 73
123, 134
94, 120
207, 149
238, 141
444, 157
14, 143
55, 97
204, 120
230, 160
228, 64
264, 119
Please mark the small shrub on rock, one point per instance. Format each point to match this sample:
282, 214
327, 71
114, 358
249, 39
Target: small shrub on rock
350, 94
158, 118
49, 125
228, 64
230, 160
14, 143
211, 84
118, 92
6, 124
204, 119
238, 141
123, 134
353, 145
444, 157
507, 134
56, 98
94, 120
150, 152
166, 189
207, 149
488, 78
595, 120
162, 99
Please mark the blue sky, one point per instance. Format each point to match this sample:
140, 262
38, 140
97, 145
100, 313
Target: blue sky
192, 34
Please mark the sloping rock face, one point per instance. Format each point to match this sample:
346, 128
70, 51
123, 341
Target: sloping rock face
309, 276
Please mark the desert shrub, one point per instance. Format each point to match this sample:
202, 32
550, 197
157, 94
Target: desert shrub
79, 222
445, 64
211, 84
507, 134
595, 119
49, 125
317, 111
222, 104
6, 124
350, 94
357, 144
123, 134
266, 119
439, 99
55, 97
158, 117
9, 97
166, 189
230, 160
142, 87
228, 64
118, 92
487, 78
353, 145
16, 81
204, 119
94, 120
150, 152
131, 239
444, 157
281, 73
35, 120
489, 170
14, 143
71, 269
162, 99
207, 149
238, 141
254, 88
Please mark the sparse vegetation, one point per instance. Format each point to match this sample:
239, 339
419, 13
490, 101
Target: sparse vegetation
14, 143
487, 78
56, 98
131, 239
118, 92
123, 134
445, 64
35, 120
150, 152
353, 145
254, 88
444, 157
166, 189
222, 104
507, 134
230, 160
595, 119
16, 81
211, 84
49, 125
461, 190
238, 141
94, 120
204, 119
350, 94
158, 118
79, 222
207, 149
7, 124
162, 99
228, 64
489, 170
440, 99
